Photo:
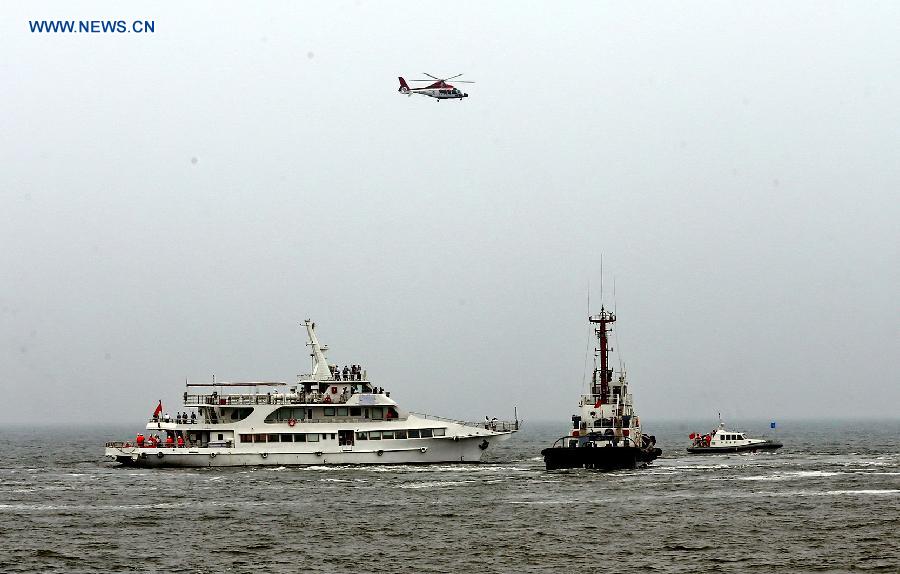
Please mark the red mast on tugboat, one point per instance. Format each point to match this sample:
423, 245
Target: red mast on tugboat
604, 373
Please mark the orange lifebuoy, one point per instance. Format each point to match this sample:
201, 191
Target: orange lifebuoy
327, 398
292, 422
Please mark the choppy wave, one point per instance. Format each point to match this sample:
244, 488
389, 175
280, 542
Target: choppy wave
827, 507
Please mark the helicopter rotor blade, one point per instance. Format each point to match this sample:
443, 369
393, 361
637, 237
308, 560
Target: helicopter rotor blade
430, 76
451, 77
464, 82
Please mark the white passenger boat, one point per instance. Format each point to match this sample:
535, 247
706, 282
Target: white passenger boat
722, 440
333, 416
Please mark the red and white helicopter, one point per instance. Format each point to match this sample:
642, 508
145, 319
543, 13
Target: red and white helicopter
439, 89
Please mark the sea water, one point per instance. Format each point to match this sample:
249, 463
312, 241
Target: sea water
829, 501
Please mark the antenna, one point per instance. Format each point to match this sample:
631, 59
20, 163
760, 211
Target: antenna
601, 279
616, 333
588, 346
614, 293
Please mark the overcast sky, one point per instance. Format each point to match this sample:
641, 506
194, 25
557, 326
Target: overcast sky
173, 205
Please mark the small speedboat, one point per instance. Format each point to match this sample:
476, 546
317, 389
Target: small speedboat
724, 440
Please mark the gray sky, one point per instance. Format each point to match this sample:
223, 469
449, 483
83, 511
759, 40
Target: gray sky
735, 163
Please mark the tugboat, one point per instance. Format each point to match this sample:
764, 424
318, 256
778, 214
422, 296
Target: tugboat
606, 433
332, 416
724, 440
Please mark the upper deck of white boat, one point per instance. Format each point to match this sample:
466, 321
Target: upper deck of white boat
328, 395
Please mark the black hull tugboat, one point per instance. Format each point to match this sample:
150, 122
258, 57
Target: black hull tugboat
606, 433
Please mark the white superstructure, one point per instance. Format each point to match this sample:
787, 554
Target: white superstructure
331, 416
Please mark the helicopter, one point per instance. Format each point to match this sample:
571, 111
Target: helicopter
439, 89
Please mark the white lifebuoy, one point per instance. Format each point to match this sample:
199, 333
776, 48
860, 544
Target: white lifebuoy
160, 454
380, 452
264, 454
213, 454
292, 422
318, 453
423, 449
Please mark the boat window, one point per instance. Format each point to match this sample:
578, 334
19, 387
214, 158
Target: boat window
300, 437
377, 413
259, 438
332, 436
342, 411
329, 411
273, 438
312, 437
246, 438
287, 438
362, 436
283, 414
400, 434
426, 433
439, 432
240, 414
221, 436
374, 435
413, 433
388, 434
355, 411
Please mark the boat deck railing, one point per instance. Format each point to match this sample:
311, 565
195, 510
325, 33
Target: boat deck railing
493, 424
267, 399
147, 444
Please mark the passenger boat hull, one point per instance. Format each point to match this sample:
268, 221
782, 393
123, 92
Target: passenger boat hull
767, 445
433, 451
600, 458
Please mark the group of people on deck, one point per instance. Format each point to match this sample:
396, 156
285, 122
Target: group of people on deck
348, 373
180, 418
154, 441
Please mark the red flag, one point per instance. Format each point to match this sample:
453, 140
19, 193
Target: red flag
158, 410
598, 403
